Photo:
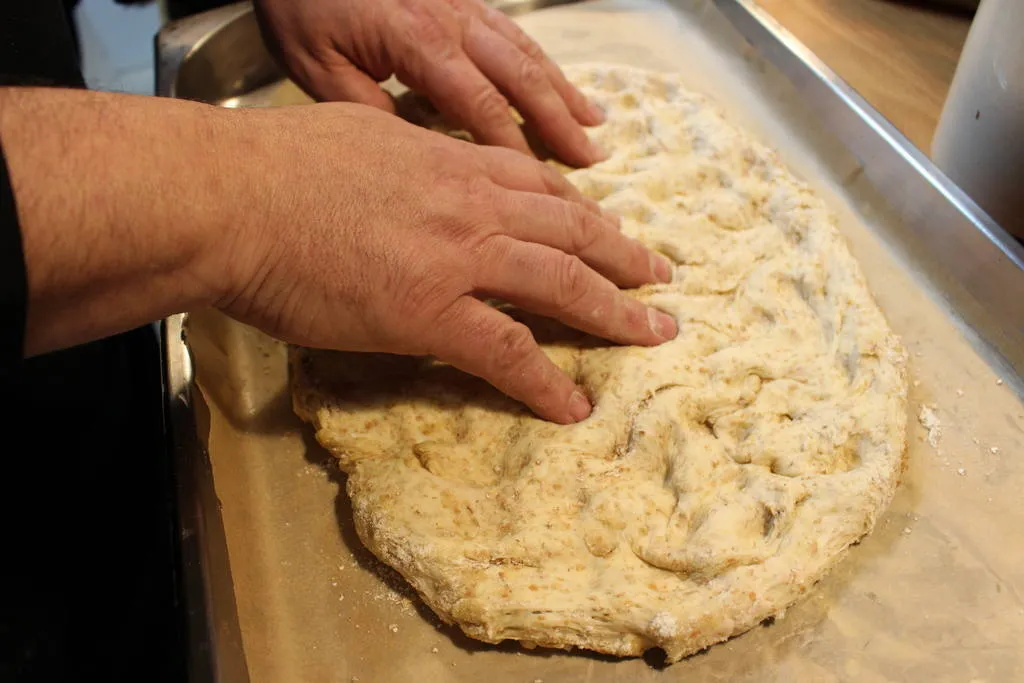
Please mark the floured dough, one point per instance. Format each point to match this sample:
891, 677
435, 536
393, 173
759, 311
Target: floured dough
720, 474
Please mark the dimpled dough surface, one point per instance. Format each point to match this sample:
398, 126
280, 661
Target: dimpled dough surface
720, 474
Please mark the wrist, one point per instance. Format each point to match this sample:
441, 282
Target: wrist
115, 205
236, 178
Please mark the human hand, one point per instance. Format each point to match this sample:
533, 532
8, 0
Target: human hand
370, 234
466, 57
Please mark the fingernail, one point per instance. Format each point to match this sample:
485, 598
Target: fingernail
661, 324
598, 152
596, 111
661, 267
579, 406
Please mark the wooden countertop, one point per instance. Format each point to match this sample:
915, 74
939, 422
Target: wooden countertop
898, 56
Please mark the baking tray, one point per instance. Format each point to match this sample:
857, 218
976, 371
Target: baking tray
278, 587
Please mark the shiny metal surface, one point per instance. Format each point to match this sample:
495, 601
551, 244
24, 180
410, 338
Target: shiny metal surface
214, 640
218, 57
213, 56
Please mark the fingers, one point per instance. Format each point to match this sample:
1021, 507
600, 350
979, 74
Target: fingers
464, 95
573, 229
549, 282
582, 109
525, 81
341, 81
514, 171
482, 341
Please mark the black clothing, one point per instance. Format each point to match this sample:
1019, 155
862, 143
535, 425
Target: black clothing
87, 564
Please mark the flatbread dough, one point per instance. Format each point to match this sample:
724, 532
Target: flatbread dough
719, 476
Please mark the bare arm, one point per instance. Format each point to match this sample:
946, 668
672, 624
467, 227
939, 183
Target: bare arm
333, 225
115, 214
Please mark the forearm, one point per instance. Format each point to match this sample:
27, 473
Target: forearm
120, 200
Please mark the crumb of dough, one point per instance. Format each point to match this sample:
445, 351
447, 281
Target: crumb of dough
930, 421
664, 625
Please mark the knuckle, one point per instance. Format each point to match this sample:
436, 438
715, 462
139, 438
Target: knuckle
530, 47
555, 181
425, 289
570, 282
515, 347
468, 211
556, 184
423, 296
531, 74
491, 248
477, 193
490, 105
583, 232
448, 187
428, 31
551, 178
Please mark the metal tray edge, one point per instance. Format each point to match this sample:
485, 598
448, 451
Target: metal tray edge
210, 620
981, 262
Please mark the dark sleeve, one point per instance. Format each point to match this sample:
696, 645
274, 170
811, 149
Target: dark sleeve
13, 280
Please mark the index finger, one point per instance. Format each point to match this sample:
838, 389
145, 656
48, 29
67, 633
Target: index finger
463, 94
595, 239
525, 81
549, 282
484, 342
514, 171
582, 109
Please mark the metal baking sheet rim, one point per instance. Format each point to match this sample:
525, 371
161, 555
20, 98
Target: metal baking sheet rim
923, 196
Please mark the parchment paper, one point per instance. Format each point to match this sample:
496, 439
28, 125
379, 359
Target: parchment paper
934, 594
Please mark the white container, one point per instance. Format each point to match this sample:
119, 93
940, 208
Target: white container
979, 141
